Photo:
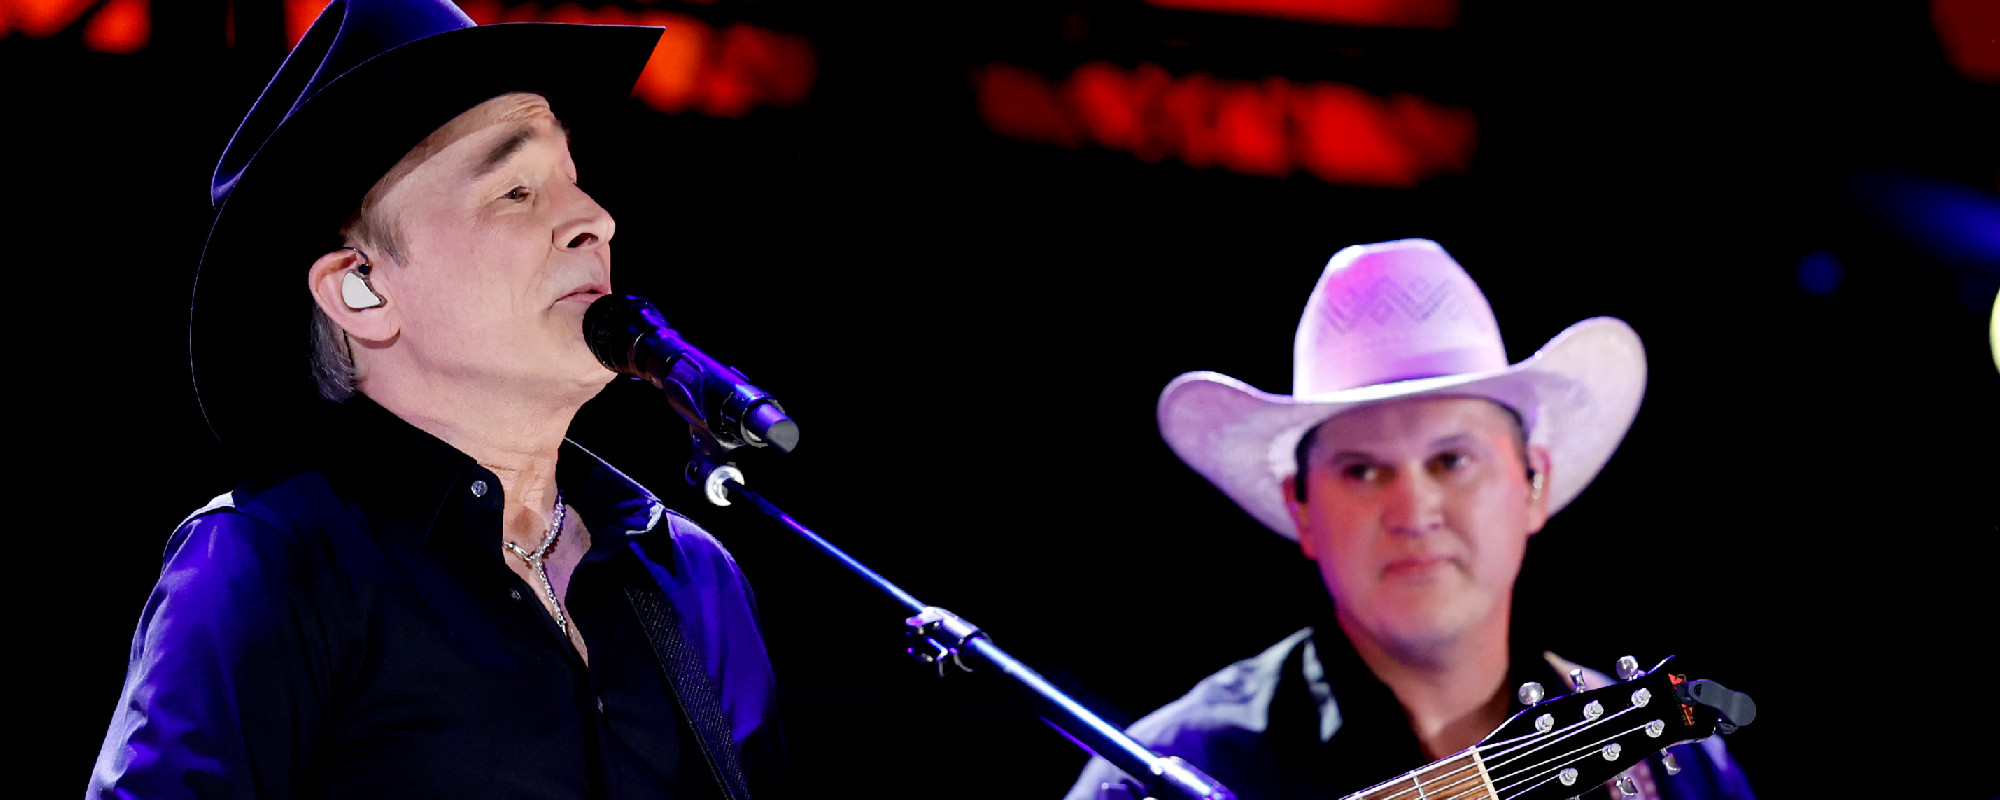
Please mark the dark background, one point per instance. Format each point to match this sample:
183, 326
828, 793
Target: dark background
973, 332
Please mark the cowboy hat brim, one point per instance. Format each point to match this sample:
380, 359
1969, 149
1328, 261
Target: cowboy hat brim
249, 323
1577, 396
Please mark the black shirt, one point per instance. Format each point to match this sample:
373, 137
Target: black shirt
354, 631
1307, 719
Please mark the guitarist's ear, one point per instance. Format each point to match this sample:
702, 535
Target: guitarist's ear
1539, 481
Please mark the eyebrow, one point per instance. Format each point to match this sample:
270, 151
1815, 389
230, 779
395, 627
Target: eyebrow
503, 151
511, 145
1456, 439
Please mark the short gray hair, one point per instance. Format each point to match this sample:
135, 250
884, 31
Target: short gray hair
332, 358
332, 352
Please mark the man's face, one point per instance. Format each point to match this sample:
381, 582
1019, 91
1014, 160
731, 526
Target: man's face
504, 252
1418, 513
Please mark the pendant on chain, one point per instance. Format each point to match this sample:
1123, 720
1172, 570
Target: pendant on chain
541, 570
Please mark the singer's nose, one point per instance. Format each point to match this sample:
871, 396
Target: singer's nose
587, 226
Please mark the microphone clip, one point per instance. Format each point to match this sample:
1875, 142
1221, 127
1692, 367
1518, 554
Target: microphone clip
709, 467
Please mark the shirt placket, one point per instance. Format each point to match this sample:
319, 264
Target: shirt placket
485, 508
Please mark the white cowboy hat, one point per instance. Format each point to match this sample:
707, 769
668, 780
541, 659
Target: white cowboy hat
1398, 320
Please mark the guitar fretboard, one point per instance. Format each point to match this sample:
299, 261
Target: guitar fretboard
1460, 777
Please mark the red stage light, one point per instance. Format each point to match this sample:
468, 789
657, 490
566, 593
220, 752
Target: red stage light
672, 76
42, 18
1970, 33
299, 15
726, 72
1364, 13
1335, 132
1019, 104
120, 26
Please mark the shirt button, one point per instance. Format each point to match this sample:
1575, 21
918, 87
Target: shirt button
478, 488
514, 593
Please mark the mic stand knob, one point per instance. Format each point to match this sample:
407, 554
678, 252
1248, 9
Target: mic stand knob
936, 636
709, 466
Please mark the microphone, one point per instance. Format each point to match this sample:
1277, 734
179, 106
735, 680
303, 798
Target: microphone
629, 337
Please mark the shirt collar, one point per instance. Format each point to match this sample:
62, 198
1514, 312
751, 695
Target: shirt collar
1343, 688
401, 478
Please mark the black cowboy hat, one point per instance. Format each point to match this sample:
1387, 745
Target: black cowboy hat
369, 81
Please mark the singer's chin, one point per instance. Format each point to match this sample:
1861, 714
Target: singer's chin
583, 375
596, 376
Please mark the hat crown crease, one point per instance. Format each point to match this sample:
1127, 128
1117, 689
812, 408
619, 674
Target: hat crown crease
1392, 312
1401, 320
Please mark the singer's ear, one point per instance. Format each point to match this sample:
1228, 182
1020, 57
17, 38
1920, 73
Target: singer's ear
327, 281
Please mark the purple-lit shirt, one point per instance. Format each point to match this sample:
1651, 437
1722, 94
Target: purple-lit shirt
352, 631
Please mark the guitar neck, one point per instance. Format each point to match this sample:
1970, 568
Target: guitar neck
1560, 747
1460, 777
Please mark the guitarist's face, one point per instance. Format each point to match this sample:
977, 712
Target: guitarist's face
1418, 513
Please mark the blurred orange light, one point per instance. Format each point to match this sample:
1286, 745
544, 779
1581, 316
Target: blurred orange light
670, 80
754, 66
123, 26
1335, 132
1363, 13
695, 67
119, 26
299, 15
42, 18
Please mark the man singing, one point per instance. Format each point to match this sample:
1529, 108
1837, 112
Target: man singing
424, 590
1411, 465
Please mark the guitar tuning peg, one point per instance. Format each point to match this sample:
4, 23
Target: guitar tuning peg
1530, 694
1576, 680
1628, 668
1626, 787
1667, 760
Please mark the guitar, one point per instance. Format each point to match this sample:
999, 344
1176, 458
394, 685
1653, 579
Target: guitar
1563, 747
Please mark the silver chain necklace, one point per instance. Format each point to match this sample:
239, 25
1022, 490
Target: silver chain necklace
534, 559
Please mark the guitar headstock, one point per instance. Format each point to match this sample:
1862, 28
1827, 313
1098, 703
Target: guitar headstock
1562, 747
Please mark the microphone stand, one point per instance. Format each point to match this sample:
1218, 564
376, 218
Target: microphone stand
941, 637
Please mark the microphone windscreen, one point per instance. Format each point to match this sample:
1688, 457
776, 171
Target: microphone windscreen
613, 324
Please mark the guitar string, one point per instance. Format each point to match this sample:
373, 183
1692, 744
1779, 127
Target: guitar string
1537, 784
1528, 741
1494, 781
1559, 737
1421, 790
1521, 747
1436, 791
1573, 756
1413, 775
1428, 792
1520, 744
